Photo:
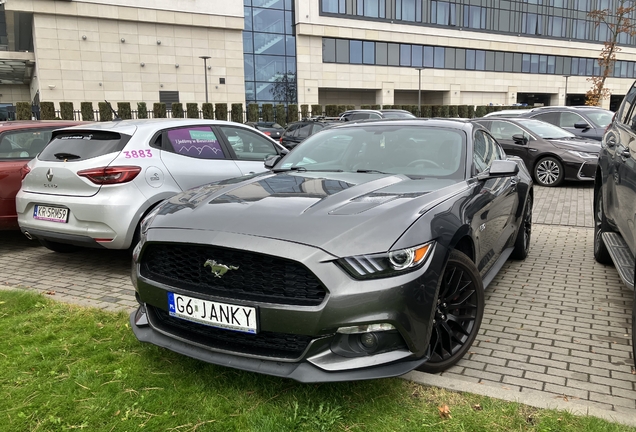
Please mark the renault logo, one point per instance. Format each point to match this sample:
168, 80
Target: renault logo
217, 269
49, 175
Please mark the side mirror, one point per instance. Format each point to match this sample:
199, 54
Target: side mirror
272, 160
520, 139
500, 168
581, 125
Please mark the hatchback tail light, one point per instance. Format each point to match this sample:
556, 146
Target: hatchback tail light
24, 171
281, 139
268, 133
110, 175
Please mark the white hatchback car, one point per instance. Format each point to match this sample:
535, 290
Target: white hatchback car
93, 184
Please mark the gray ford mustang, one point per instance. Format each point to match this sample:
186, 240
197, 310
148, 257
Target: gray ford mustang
364, 253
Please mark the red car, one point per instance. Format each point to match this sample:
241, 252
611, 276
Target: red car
20, 141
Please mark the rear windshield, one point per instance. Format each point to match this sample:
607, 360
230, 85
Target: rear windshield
75, 146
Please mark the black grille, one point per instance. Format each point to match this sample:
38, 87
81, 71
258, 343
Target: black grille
266, 344
259, 277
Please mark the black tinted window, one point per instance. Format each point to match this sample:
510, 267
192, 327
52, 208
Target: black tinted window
80, 145
626, 113
304, 131
23, 143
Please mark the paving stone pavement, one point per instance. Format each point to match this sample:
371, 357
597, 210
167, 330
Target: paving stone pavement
556, 328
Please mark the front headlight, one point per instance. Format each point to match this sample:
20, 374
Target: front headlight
584, 155
387, 263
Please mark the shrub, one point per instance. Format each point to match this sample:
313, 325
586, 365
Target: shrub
461, 111
316, 110
105, 113
237, 112
208, 111
480, 111
123, 110
426, 111
331, 110
375, 107
413, 110
142, 110
47, 110
281, 118
23, 111
365, 106
341, 109
443, 111
220, 111
66, 111
192, 110
304, 111
88, 114
177, 110
435, 109
268, 112
159, 110
453, 111
252, 112
351, 107
292, 113
470, 111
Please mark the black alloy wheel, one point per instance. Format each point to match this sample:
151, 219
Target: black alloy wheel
549, 172
524, 234
458, 314
601, 254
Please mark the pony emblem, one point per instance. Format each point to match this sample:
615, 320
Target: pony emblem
218, 270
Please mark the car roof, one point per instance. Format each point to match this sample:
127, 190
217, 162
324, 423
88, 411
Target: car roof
456, 123
151, 124
568, 107
31, 124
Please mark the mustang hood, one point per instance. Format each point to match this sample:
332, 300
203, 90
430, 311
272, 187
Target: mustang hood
341, 213
577, 144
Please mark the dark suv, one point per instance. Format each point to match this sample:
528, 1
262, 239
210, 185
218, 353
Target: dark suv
615, 197
298, 131
584, 121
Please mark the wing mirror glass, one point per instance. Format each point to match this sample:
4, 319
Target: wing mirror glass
270, 161
520, 139
581, 125
500, 168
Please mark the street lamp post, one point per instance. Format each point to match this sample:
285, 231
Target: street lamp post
205, 72
419, 91
566, 88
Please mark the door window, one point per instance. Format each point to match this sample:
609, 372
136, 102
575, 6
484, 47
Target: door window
248, 145
551, 117
291, 130
24, 144
505, 130
569, 119
196, 141
304, 131
485, 151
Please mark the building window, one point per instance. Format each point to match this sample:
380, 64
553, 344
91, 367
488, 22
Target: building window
443, 13
475, 17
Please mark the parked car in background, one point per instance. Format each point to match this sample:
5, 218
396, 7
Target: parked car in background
366, 114
20, 141
508, 113
584, 121
363, 254
615, 198
298, 131
93, 184
271, 129
551, 154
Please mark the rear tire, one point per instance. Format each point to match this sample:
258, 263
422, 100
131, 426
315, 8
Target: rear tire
459, 310
522, 243
601, 254
58, 247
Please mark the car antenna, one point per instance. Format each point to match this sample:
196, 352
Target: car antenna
116, 116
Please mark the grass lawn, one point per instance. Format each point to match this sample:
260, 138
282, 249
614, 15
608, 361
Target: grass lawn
64, 367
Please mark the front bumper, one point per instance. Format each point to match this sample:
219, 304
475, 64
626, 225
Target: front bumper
405, 301
580, 171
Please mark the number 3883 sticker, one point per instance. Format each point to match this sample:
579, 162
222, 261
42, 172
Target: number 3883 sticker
135, 154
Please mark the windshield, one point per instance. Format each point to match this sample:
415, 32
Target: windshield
397, 114
545, 130
415, 151
600, 118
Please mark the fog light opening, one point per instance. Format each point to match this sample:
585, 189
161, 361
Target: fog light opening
369, 341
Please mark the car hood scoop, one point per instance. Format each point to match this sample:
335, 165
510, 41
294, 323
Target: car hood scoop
336, 212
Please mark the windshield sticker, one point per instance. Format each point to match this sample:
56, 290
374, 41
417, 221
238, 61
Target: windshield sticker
196, 142
77, 137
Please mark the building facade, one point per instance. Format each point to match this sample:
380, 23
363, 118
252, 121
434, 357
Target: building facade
353, 52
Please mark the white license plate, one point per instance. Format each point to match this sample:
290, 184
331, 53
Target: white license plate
214, 314
53, 214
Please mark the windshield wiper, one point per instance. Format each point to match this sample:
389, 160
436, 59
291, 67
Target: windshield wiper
65, 156
370, 171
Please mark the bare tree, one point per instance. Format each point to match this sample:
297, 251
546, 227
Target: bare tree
615, 22
284, 87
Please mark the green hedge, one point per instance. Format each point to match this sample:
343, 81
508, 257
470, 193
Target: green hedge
177, 110
208, 111
292, 113
443, 111
375, 107
426, 111
192, 110
331, 110
23, 111
47, 110
220, 110
88, 113
481, 111
281, 118
341, 109
159, 110
365, 106
268, 112
351, 107
123, 110
316, 110
470, 111
142, 110
252, 112
304, 111
237, 112
105, 113
453, 111
66, 111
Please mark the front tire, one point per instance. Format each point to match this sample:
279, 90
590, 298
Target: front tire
549, 172
58, 247
459, 311
522, 243
601, 254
